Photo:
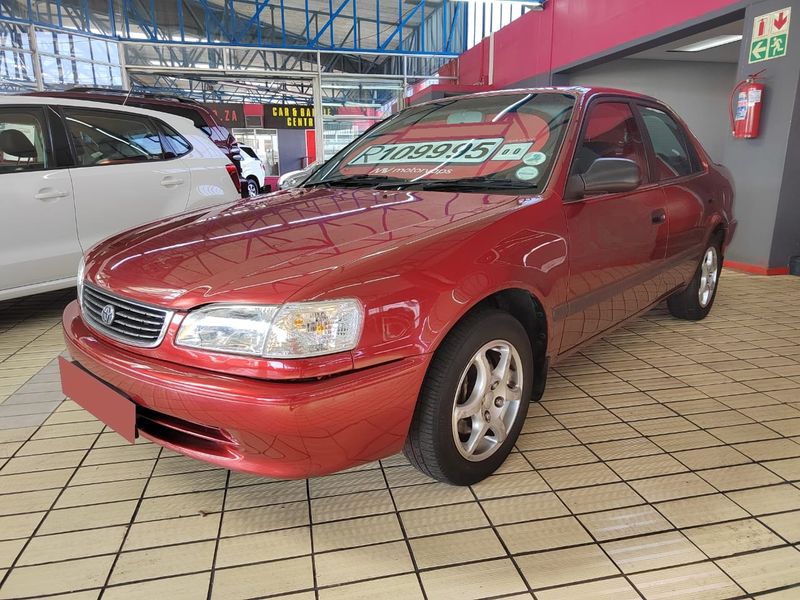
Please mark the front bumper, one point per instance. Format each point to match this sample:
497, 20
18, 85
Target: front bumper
282, 429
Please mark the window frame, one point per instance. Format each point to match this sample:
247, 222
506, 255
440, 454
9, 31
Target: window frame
647, 179
50, 154
153, 122
696, 158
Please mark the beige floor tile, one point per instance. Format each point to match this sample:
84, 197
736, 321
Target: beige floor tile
472, 582
151, 534
180, 505
786, 594
646, 466
356, 532
765, 500
770, 449
701, 510
347, 483
724, 539
271, 545
77, 544
543, 535
615, 588
788, 468
703, 581
355, 505
28, 482
271, 578
561, 567
739, 477
387, 588
279, 492
444, 519
451, 548
86, 517
764, 570
653, 552
560, 457
162, 562
19, 526
711, 458
624, 522
600, 497
344, 566
8, 552
184, 587
743, 433
264, 518
424, 496
578, 475
197, 481
786, 524
625, 448
99, 493
669, 487
503, 511
43, 462
138, 469
498, 486
59, 577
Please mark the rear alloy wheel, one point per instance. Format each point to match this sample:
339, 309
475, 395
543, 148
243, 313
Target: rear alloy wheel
695, 302
474, 399
252, 188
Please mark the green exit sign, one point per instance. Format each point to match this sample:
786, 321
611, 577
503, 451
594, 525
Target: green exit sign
770, 35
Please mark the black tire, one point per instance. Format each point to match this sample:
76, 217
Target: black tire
431, 444
253, 189
687, 304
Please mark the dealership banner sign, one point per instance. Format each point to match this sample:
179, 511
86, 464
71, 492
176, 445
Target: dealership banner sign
770, 35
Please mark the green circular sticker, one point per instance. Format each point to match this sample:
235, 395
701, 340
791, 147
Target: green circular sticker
527, 173
534, 158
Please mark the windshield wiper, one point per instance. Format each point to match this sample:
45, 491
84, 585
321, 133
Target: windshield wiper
363, 179
469, 184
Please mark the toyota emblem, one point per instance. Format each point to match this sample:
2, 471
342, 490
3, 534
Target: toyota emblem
107, 314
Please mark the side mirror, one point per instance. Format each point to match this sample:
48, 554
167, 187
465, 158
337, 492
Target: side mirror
605, 176
236, 156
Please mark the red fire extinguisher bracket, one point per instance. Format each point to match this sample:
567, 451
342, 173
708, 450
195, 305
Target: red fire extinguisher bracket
744, 106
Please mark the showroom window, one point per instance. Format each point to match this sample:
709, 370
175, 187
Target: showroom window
611, 132
22, 140
674, 155
104, 137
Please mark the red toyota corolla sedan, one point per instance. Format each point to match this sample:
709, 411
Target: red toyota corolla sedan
411, 295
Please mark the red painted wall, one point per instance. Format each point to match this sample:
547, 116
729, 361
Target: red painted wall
583, 28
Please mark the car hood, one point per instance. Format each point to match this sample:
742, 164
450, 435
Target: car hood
268, 248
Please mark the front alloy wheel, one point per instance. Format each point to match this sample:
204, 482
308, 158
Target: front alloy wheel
487, 400
694, 302
252, 188
709, 272
474, 399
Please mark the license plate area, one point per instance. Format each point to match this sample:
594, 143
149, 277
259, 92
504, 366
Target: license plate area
105, 402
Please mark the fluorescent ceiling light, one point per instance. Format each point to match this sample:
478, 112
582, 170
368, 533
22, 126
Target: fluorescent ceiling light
719, 40
534, 4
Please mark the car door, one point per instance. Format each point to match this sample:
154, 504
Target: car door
677, 167
617, 241
123, 176
38, 239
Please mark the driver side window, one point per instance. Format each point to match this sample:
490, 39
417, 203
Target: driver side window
611, 132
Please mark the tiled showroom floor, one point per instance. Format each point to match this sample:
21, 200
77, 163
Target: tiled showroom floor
664, 462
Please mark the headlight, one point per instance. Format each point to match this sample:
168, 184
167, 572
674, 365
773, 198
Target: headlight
296, 330
81, 274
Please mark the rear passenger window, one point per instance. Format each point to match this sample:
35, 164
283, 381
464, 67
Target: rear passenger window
23, 145
176, 144
106, 137
611, 132
675, 156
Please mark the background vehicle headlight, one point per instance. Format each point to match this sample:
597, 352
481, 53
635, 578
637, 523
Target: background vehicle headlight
81, 275
295, 330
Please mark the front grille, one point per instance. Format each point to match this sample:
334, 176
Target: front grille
131, 322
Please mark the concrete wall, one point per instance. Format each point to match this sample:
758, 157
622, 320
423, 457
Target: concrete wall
698, 91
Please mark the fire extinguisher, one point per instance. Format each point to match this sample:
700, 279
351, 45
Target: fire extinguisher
748, 96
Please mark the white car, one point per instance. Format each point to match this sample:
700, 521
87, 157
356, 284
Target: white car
74, 172
254, 174
292, 179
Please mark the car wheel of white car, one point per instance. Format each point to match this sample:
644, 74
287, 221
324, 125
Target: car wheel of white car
252, 187
474, 399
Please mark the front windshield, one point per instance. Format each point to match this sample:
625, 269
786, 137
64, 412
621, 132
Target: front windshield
506, 143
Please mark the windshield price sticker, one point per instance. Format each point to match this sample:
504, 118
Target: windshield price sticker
443, 151
512, 151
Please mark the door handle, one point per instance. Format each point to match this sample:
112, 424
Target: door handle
50, 194
658, 216
171, 181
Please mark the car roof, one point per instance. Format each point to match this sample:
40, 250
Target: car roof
581, 92
175, 121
